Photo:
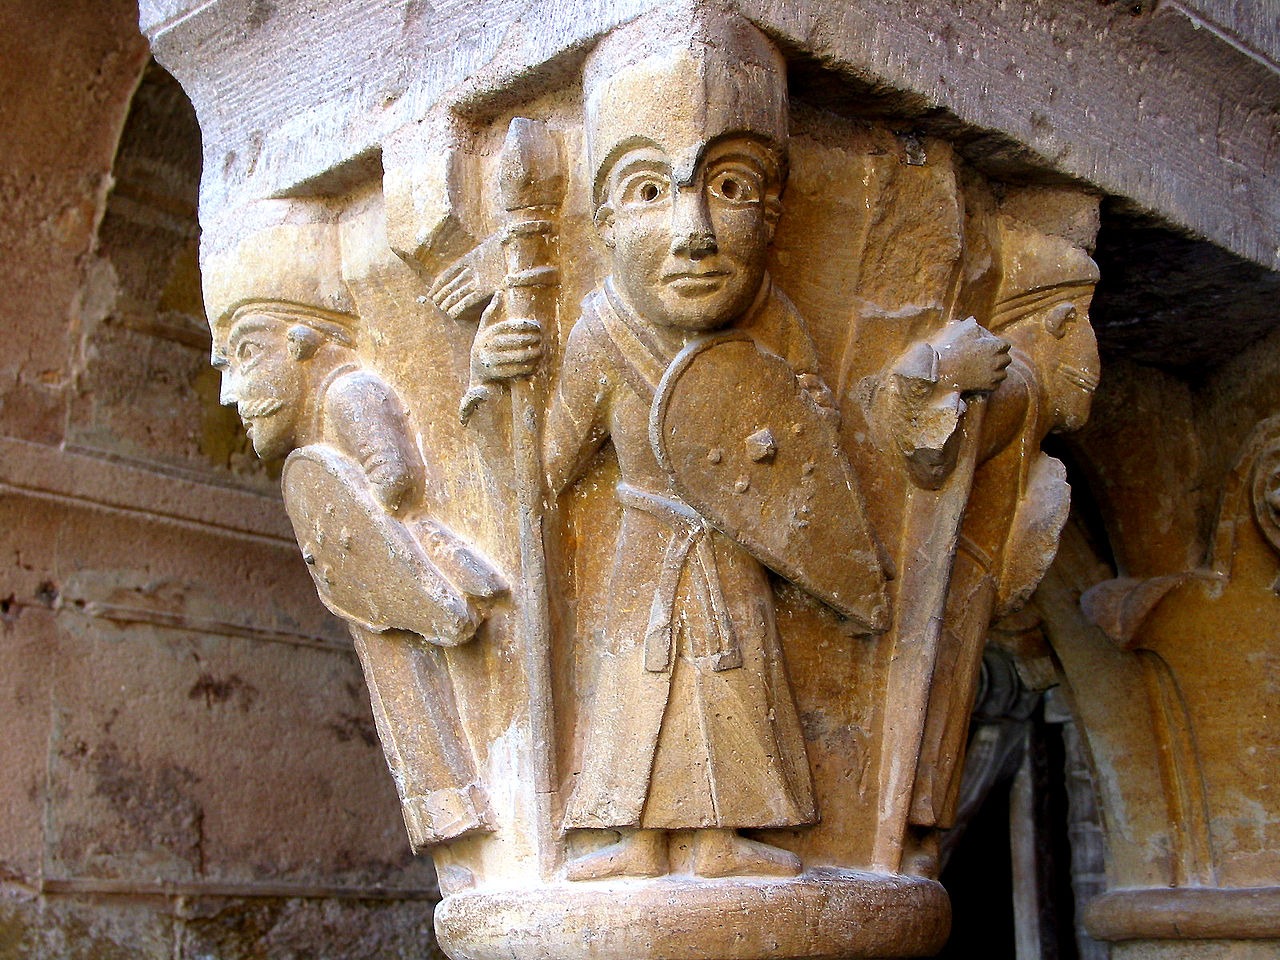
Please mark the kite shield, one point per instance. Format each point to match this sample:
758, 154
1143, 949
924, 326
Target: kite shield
747, 448
368, 568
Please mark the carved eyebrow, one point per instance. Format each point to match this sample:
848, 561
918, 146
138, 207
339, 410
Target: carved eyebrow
747, 151
640, 165
743, 157
745, 172
252, 323
637, 151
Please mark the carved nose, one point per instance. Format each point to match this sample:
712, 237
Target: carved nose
694, 244
227, 393
691, 232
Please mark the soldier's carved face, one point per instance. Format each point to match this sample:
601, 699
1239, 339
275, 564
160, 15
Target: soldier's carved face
690, 255
1061, 340
1076, 365
265, 382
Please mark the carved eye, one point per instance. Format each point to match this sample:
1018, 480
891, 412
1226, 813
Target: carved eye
644, 189
735, 186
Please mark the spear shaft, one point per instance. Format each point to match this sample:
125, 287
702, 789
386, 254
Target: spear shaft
531, 182
931, 534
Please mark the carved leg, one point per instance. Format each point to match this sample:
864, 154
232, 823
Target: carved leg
722, 853
418, 725
639, 853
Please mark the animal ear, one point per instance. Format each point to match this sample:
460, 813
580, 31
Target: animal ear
604, 224
303, 341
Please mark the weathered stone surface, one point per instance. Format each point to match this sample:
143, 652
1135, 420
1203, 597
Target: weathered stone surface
52, 184
670, 590
672, 918
194, 928
162, 633
1159, 290
1091, 69
134, 795
175, 703
142, 388
288, 929
1177, 589
28, 633
82, 930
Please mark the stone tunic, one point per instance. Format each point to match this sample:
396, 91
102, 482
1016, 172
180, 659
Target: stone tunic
409, 684
692, 722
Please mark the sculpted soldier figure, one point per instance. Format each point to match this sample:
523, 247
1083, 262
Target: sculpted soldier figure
285, 343
692, 725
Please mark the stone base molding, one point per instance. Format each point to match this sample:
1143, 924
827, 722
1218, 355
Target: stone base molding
823, 915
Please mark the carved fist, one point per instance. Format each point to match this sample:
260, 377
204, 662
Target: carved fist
469, 283
971, 359
389, 483
506, 350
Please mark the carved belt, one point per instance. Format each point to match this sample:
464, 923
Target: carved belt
689, 535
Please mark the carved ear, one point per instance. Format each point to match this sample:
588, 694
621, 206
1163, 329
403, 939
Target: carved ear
303, 342
772, 213
604, 224
1057, 319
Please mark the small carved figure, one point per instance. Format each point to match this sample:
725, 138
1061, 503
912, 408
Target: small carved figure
692, 725
1020, 495
351, 485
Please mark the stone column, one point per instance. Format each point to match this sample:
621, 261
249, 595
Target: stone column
663, 413
1170, 670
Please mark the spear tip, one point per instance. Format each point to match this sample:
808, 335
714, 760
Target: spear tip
530, 169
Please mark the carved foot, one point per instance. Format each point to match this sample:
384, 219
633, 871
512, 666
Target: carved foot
722, 853
639, 854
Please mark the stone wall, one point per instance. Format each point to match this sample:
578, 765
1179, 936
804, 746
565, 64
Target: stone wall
190, 764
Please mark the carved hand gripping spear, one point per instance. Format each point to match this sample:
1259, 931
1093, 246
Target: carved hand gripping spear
531, 183
930, 535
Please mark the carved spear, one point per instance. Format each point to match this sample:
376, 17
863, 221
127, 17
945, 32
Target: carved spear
931, 533
531, 183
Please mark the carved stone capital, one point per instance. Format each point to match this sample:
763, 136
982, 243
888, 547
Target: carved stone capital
669, 444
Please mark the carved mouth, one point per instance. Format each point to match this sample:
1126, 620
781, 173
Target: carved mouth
692, 282
1083, 379
256, 409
